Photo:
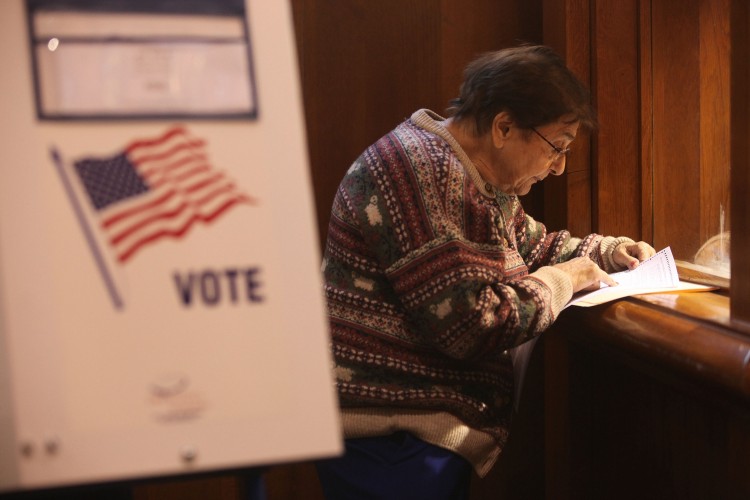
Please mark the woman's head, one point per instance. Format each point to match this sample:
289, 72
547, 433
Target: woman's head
530, 82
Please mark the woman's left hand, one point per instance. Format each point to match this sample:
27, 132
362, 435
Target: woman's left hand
630, 255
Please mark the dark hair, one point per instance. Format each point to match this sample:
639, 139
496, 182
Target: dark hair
531, 82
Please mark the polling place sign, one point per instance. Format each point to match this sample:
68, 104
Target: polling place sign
161, 310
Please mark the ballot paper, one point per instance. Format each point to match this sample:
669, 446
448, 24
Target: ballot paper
655, 275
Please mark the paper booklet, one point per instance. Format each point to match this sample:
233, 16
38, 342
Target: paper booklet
655, 275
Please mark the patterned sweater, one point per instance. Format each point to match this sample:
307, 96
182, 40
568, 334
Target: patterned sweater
431, 275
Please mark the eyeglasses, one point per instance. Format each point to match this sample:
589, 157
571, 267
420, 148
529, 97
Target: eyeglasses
559, 152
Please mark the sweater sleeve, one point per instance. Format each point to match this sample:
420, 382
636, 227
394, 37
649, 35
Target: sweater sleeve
541, 248
599, 248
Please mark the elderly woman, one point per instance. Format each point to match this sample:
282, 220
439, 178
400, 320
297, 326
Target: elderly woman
433, 272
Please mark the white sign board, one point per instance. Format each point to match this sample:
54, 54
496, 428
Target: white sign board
161, 310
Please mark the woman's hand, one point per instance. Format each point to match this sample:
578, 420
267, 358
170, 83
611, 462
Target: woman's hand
630, 255
585, 274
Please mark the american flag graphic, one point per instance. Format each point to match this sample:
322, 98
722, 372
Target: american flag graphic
156, 188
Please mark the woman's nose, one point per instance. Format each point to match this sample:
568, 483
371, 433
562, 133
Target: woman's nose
558, 166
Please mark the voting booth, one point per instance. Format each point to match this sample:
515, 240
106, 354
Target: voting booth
161, 308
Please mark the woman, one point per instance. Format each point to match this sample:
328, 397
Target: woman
433, 272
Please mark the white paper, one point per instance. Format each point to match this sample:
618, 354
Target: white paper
655, 275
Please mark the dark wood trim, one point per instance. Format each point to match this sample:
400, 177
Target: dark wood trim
676, 130
647, 397
740, 160
646, 89
617, 145
715, 111
666, 335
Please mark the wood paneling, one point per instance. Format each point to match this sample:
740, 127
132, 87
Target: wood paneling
568, 198
676, 125
653, 402
578, 185
715, 64
218, 488
740, 159
642, 402
691, 102
617, 173
645, 83
364, 67
659, 71
293, 482
471, 28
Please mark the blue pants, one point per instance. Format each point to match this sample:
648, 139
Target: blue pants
395, 467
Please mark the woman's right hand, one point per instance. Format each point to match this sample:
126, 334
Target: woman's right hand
585, 274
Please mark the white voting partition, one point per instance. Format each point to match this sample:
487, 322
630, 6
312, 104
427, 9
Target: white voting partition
160, 302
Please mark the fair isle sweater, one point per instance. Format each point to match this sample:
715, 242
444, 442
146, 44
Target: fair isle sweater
431, 275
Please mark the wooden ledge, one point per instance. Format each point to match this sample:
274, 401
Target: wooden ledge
688, 334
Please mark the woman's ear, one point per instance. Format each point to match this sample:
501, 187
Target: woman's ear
501, 127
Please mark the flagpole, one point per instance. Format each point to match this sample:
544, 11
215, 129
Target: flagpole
108, 281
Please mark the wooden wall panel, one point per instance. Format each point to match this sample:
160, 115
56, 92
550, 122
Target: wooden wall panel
364, 67
740, 159
650, 441
645, 82
652, 401
487, 25
578, 185
203, 488
568, 198
715, 66
659, 74
691, 126
617, 177
676, 126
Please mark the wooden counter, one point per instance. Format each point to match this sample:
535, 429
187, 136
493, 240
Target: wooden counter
648, 397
